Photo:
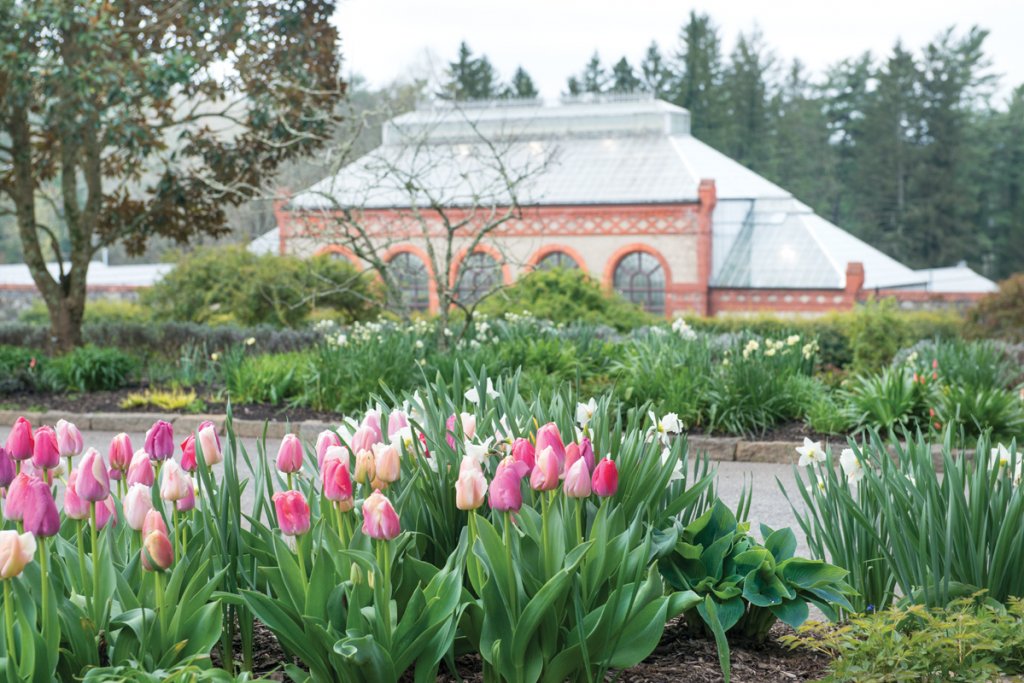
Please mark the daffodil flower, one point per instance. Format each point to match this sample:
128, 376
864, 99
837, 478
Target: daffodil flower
852, 466
810, 453
585, 412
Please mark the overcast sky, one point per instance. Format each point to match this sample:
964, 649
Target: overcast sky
384, 40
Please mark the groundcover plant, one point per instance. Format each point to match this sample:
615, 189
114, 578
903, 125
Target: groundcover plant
461, 519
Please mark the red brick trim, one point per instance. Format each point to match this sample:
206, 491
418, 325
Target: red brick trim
492, 251
339, 249
547, 249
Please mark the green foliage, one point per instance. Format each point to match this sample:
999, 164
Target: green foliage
1000, 314
826, 415
19, 368
172, 400
968, 640
89, 368
877, 332
231, 285
263, 378
976, 411
894, 398
565, 295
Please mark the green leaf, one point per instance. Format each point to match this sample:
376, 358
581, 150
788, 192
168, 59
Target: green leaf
781, 543
791, 612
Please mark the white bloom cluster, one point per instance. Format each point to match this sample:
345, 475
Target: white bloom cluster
750, 348
683, 329
810, 348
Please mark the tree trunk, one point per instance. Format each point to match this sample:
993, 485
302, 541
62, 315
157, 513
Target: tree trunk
66, 312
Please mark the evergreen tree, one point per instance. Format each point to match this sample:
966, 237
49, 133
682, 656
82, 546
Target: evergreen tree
522, 86
1003, 189
469, 77
594, 78
699, 65
844, 98
623, 78
655, 74
573, 87
745, 93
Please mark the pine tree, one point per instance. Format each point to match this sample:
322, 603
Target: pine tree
521, 86
655, 75
844, 98
469, 78
573, 87
698, 87
594, 79
624, 81
1003, 189
745, 93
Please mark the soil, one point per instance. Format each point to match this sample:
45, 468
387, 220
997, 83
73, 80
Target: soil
678, 658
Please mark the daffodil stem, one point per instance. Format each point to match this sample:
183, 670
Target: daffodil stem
9, 621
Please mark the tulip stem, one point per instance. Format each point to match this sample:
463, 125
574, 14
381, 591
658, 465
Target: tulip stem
579, 521
341, 525
157, 576
95, 562
302, 560
512, 594
45, 585
289, 475
81, 557
9, 621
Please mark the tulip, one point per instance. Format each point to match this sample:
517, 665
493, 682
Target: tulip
289, 455
40, 512
336, 453
471, 486
140, 471
545, 474
209, 441
17, 496
93, 479
380, 521
19, 441
518, 467
7, 468
138, 502
587, 452
188, 502
106, 511
365, 466
74, 506
363, 439
160, 441
523, 451
505, 490
386, 463
176, 483
577, 480
69, 439
188, 454
572, 454
45, 452
120, 453
292, 512
397, 421
468, 424
153, 521
549, 437
449, 426
157, 551
336, 479
325, 440
605, 481
16, 551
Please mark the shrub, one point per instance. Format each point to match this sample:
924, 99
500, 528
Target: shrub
232, 285
19, 368
565, 296
171, 400
89, 368
263, 378
1000, 314
96, 311
894, 398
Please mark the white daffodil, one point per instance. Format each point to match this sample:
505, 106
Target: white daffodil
810, 453
683, 329
503, 437
473, 396
478, 451
585, 412
664, 427
1018, 473
852, 466
1000, 456
793, 340
404, 439
677, 467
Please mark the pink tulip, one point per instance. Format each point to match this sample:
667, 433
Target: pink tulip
468, 424
17, 496
45, 453
572, 454
106, 511
7, 468
587, 452
157, 551
471, 486
326, 439
93, 480
397, 421
209, 442
74, 506
188, 502
41, 516
606, 478
188, 454
549, 437
120, 453
522, 451
154, 521
160, 441
16, 551
545, 474
577, 480
386, 462
292, 512
69, 439
176, 483
363, 439
19, 441
289, 455
505, 490
518, 467
336, 479
140, 471
137, 504
372, 420
449, 426
380, 521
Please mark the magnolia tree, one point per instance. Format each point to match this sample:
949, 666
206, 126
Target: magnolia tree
448, 197
125, 120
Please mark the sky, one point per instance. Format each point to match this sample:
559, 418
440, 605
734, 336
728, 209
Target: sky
385, 40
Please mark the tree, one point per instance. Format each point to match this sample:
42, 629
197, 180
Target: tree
624, 81
844, 99
138, 119
469, 77
655, 75
593, 79
699, 65
1003, 188
572, 86
745, 93
522, 86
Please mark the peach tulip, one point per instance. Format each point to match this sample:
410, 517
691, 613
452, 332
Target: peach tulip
545, 474
386, 462
157, 551
16, 551
577, 480
140, 471
176, 483
471, 486
380, 521
209, 442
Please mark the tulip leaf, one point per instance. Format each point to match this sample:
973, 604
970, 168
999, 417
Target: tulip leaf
541, 604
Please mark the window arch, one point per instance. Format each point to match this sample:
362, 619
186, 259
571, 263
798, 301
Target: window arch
640, 278
479, 273
556, 259
411, 279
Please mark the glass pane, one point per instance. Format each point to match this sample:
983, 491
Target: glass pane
640, 278
479, 275
557, 259
412, 281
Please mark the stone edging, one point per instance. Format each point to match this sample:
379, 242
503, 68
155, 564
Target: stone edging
722, 448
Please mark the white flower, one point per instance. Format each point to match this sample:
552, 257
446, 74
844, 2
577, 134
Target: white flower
852, 466
810, 453
683, 329
668, 424
473, 396
677, 468
585, 412
403, 438
770, 352
1000, 456
478, 451
792, 340
250, 341
418, 344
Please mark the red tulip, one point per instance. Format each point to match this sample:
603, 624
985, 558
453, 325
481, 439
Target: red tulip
160, 441
19, 441
606, 478
545, 474
140, 471
549, 437
380, 521
292, 512
289, 455
505, 490
157, 551
41, 516
69, 439
93, 479
121, 453
74, 506
523, 451
188, 453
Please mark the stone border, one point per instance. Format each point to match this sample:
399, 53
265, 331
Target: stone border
720, 448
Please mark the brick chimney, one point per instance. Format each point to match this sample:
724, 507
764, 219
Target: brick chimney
854, 280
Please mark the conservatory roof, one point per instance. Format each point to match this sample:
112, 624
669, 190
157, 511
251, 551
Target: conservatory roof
17, 275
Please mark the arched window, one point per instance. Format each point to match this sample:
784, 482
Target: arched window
641, 279
412, 280
479, 273
557, 259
